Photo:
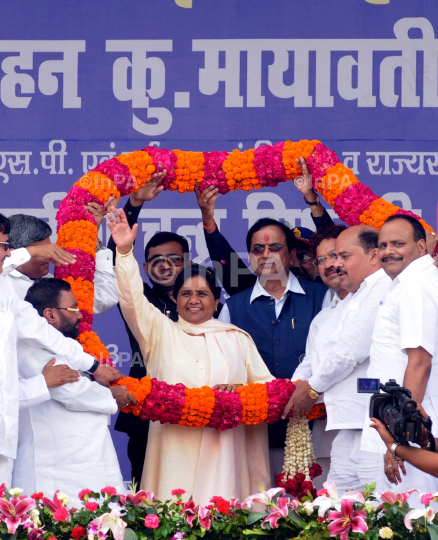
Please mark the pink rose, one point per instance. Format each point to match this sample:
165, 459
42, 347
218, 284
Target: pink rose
91, 506
151, 521
178, 492
83, 493
426, 498
109, 490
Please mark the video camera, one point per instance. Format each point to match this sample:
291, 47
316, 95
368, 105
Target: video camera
396, 409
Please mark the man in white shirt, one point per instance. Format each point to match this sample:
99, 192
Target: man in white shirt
64, 441
323, 248
405, 339
18, 320
31, 232
343, 347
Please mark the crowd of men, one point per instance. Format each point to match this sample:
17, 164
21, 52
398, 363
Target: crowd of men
323, 309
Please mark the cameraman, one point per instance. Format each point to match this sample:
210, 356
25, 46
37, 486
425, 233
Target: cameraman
420, 458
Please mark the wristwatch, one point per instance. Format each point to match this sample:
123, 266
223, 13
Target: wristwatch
393, 449
312, 393
314, 203
93, 367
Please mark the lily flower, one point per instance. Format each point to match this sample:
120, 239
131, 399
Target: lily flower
427, 513
332, 500
14, 513
265, 497
113, 521
189, 511
391, 498
140, 498
204, 517
347, 519
277, 511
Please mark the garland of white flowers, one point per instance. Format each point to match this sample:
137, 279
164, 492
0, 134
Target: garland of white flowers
299, 455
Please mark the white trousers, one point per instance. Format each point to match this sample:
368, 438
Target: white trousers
352, 468
6, 466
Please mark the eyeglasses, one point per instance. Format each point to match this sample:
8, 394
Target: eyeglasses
172, 260
71, 309
321, 260
303, 257
258, 249
6, 246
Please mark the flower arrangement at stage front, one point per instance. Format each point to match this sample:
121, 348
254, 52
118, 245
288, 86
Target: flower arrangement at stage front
238, 170
141, 516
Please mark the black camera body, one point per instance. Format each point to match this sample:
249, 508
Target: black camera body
395, 408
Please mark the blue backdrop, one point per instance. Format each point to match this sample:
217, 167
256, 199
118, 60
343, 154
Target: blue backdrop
84, 81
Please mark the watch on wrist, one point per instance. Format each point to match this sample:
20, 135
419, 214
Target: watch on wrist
313, 203
393, 449
312, 393
93, 367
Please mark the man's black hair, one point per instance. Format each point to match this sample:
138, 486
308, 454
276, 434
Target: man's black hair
266, 222
25, 230
5, 224
45, 293
164, 237
368, 240
419, 232
193, 270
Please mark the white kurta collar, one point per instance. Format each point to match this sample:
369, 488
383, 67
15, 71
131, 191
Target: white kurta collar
293, 285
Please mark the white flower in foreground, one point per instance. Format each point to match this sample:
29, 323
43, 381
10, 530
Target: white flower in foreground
325, 503
385, 532
15, 492
65, 499
427, 513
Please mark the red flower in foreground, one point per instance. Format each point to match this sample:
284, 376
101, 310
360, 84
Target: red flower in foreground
77, 533
347, 519
221, 504
178, 492
83, 493
91, 506
61, 514
151, 521
109, 490
37, 496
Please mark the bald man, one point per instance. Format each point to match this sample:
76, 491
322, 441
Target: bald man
345, 340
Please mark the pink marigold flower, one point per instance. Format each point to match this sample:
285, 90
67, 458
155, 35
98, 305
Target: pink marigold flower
178, 492
84, 493
109, 490
151, 521
91, 506
347, 519
14, 513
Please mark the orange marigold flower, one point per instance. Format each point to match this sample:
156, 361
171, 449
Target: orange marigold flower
78, 235
293, 151
239, 170
255, 403
377, 213
83, 291
140, 165
92, 345
99, 185
189, 171
139, 388
335, 181
198, 408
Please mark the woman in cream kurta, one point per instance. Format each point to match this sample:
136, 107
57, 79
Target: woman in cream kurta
203, 461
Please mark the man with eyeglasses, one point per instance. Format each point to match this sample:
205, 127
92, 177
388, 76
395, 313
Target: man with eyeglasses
19, 321
276, 311
65, 440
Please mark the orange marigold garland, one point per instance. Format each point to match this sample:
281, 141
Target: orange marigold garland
255, 402
249, 169
199, 405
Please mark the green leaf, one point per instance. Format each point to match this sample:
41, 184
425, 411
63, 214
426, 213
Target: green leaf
253, 517
298, 520
130, 534
256, 532
433, 531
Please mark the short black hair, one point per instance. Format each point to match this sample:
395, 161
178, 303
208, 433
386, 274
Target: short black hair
25, 230
368, 240
5, 224
192, 270
324, 233
419, 232
266, 222
45, 293
164, 237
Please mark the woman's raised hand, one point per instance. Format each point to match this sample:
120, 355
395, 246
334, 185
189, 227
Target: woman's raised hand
121, 232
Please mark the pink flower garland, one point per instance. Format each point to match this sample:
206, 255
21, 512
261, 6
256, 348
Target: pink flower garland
353, 202
214, 173
268, 163
321, 159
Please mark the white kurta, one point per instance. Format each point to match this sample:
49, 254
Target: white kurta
204, 462
19, 320
65, 443
105, 293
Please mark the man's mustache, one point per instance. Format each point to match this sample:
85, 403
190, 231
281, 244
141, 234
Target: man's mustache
330, 270
341, 271
391, 258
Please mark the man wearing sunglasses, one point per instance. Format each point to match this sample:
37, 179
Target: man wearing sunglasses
19, 321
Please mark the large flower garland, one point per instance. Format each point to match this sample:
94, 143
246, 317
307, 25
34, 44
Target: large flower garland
140, 516
251, 169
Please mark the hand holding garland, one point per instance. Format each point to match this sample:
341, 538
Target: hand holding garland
206, 201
